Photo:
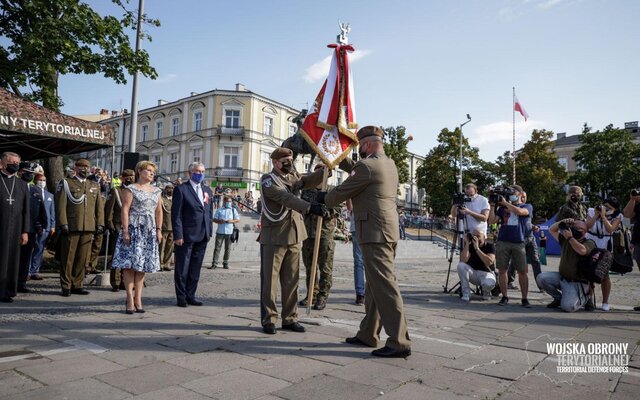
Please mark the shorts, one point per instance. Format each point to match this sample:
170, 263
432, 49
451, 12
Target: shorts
515, 252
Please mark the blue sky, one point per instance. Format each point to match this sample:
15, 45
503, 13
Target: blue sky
422, 64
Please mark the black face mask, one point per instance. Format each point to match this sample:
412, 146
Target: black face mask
576, 233
127, 182
361, 153
574, 198
286, 167
27, 176
12, 168
169, 193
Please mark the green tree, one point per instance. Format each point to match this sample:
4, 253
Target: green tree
44, 39
537, 171
608, 161
395, 147
438, 174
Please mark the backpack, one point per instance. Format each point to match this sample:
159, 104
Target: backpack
595, 267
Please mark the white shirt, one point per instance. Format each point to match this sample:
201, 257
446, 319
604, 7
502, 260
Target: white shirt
198, 189
477, 204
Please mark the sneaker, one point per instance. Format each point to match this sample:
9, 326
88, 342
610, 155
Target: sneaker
554, 304
503, 301
525, 303
512, 286
605, 306
359, 300
486, 297
465, 297
589, 306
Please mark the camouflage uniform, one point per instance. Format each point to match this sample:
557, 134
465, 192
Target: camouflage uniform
324, 272
577, 211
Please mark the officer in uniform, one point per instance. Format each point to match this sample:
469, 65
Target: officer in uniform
80, 216
324, 276
166, 246
113, 218
372, 186
280, 237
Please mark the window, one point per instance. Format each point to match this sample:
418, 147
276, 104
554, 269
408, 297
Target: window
197, 121
157, 160
196, 155
173, 162
145, 132
564, 162
175, 126
265, 162
230, 157
268, 126
292, 130
159, 129
232, 118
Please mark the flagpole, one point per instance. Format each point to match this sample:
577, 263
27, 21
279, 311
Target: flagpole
513, 153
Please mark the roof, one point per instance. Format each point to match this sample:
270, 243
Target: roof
35, 132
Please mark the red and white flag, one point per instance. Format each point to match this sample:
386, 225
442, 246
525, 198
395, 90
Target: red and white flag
330, 127
518, 107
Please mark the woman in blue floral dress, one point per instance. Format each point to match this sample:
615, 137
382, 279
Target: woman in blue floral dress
137, 246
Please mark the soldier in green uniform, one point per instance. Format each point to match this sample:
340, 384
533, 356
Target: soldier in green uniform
324, 275
372, 186
80, 216
113, 220
280, 237
166, 246
573, 208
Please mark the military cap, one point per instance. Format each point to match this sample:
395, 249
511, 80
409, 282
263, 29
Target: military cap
281, 152
28, 166
517, 188
128, 172
83, 162
370, 130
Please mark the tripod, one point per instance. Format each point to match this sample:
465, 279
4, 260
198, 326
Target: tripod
460, 228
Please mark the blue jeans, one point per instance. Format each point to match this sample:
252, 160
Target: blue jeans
38, 252
358, 266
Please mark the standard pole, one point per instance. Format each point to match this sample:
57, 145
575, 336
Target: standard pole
316, 247
513, 147
134, 94
460, 171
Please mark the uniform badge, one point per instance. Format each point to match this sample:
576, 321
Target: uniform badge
267, 183
353, 173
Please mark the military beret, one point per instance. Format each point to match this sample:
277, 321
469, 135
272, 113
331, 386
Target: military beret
517, 188
28, 166
370, 130
128, 172
281, 152
83, 162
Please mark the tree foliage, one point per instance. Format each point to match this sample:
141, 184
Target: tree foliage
438, 174
537, 171
43, 39
395, 147
608, 163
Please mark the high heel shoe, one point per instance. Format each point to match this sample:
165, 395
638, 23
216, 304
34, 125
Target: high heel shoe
140, 310
128, 311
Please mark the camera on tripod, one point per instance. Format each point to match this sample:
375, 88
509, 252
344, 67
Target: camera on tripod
460, 198
500, 191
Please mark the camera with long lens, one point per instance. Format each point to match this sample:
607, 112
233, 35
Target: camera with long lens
598, 208
563, 225
500, 191
460, 198
635, 192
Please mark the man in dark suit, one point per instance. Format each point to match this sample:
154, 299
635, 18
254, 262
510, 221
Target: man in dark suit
191, 217
44, 201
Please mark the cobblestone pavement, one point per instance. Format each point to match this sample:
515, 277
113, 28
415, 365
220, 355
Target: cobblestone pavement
85, 347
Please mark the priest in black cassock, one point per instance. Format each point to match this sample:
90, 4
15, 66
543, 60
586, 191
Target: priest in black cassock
14, 214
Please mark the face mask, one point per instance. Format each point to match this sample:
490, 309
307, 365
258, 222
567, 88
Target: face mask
41, 184
362, 153
576, 233
27, 176
574, 198
286, 167
513, 198
227, 204
82, 173
169, 193
197, 177
12, 168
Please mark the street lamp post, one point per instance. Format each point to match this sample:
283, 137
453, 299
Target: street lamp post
460, 171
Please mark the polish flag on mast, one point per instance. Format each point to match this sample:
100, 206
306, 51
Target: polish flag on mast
518, 107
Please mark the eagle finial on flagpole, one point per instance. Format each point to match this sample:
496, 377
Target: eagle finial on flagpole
344, 30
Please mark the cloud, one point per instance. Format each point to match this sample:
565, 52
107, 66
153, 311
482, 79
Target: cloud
166, 78
551, 3
320, 70
501, 133
518, 9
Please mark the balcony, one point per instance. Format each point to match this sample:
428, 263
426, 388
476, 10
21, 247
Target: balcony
228, 172
229, 131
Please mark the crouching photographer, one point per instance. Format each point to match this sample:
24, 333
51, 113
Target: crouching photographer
473, 206
568, 287
477, 264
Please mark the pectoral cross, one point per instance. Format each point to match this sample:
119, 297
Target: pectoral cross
10, 200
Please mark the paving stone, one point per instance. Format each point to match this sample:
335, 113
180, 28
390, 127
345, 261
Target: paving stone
323, 387
81, 389
171, 393
69, 369
148, 377
463, 383
291, 368
625, 391
238, 384
414, 390
497, 361
213, 362
13, 382
538, 387
371, 372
